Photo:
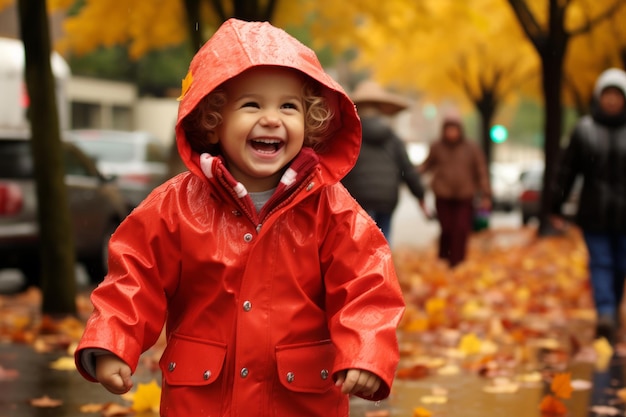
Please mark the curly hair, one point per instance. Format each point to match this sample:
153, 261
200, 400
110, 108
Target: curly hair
200, 124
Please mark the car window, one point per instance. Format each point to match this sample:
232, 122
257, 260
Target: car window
103, 151
15, 160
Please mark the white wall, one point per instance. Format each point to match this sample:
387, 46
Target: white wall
157, 116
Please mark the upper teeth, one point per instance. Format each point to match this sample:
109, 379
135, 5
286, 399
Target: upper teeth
268, 141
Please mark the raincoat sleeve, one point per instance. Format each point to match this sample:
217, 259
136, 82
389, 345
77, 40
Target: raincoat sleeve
130, 304
364, 302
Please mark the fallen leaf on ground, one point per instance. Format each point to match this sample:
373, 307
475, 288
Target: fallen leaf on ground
413, 372
604, 351
45, 402
551, 406
421, 412
581, 385
64, 363
91, 408
561, 385
116, 410
501, 386
377, 413
605, 410
470, 344
147, 397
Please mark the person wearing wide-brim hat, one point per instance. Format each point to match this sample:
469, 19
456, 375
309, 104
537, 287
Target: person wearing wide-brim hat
370, 93
383, 163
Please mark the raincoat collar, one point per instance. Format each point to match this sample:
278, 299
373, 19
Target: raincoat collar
237, 46
300, 169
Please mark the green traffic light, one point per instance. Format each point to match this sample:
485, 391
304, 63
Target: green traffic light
498, 133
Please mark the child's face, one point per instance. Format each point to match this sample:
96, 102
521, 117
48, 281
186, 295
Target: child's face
612, 100
262, 126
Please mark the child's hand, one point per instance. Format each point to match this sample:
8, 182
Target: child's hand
358, 381
113, 374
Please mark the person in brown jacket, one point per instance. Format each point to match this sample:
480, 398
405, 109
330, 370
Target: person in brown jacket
459, 178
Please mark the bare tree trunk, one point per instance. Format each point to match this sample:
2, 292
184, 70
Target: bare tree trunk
552, 78
58, 279
486, 109
194, 24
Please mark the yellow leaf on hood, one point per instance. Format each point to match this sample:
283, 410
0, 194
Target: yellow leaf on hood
186, 84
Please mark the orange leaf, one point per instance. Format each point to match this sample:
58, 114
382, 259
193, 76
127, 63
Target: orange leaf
116, 410
45, 402
413, 372
421, 412
377, 413
562, 385
551, 406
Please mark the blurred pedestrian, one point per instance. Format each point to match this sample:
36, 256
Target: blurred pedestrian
277, 292
597, 152
383, 164
460, 182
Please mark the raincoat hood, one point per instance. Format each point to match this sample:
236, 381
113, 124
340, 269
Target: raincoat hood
237, 46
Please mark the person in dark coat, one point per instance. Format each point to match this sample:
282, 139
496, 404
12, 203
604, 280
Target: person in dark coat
383, 164
597, 152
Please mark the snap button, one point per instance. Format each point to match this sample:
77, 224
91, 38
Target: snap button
171, 366
290, 377
324, 374
310, 186
244, 372
247, 237
206, 375
247, 305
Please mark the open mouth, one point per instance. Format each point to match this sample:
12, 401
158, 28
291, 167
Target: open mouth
267, 146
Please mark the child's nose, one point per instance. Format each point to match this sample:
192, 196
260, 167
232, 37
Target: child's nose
270, 119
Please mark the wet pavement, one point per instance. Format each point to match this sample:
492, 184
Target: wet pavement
466, 394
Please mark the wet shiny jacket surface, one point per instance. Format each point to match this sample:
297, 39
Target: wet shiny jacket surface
261, 310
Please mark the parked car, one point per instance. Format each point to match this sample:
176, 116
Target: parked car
531, 180
137, 160
505, 186
95, 204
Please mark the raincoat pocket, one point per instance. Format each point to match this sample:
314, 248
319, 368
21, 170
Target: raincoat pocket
306, 367
192, 362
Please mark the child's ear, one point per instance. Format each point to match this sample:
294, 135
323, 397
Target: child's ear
213, 138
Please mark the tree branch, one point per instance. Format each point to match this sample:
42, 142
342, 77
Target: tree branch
459, 78
591, 23
528, 22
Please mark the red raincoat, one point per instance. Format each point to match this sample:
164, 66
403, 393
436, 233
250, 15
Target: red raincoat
261, 310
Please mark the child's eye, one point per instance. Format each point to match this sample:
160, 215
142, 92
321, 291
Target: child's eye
251, 104
293, 106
